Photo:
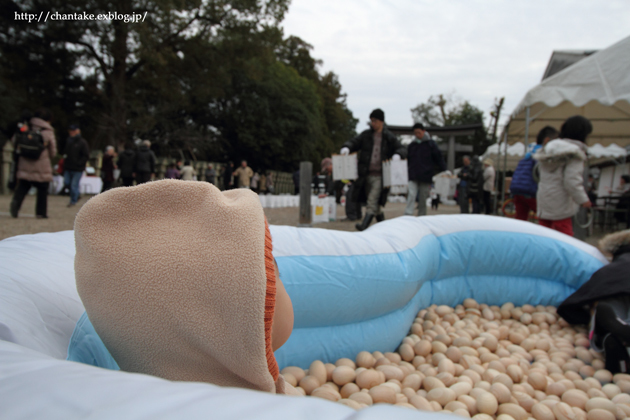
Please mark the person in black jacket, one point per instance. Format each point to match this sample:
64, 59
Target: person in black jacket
374, 146
423, 156
76, 155
126, 162
465, 175
144, 166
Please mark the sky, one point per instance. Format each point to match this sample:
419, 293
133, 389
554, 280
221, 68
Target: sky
396, 54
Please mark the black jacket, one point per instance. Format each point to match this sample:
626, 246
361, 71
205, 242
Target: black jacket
609, 281
76, 154
423, 157
145, 160
363, 144
126, 162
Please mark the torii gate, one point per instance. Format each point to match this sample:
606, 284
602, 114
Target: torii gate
448, 131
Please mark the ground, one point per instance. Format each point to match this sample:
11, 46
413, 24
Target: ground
61, 217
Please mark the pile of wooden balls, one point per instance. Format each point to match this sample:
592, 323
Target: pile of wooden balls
479, 361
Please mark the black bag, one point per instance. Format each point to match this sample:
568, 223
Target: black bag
610, 332
29, 142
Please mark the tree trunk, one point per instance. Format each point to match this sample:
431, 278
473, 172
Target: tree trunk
118, 79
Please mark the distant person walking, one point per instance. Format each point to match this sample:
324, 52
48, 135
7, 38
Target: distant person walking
244, 174
523, 186
126, 162
35, 172
211, 174
144, 167
374, 146
423, 156
488, 185
561, 188
475, 185
76, 155
228, 178
188, 173
107, 168
172, 172
464, 181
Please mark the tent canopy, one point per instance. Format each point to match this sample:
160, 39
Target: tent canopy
597, 87
515, 152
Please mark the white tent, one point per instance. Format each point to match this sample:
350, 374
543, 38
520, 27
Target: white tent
597, 87
515, 152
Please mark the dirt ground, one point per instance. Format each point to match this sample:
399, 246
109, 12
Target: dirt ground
61, 217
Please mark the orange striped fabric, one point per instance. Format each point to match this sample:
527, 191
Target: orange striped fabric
270, 303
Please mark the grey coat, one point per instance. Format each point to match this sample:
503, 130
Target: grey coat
561, 187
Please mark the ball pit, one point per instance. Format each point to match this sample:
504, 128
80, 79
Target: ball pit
491, 362
356, 321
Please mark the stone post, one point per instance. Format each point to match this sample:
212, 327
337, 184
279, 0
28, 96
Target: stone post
306, 173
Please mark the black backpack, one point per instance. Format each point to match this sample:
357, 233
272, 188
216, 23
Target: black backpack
29, 142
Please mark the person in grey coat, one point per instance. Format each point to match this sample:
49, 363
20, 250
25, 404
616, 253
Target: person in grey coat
144, 166
561, 189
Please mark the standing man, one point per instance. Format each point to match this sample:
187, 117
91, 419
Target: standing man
126, 162
76, 155
228, 178
488, 185
423, 157
107, 168
244, 174
462, 190
144, 168
374, 146
210, 174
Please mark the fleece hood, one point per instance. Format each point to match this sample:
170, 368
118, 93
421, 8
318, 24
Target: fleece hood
561, 150
178, 280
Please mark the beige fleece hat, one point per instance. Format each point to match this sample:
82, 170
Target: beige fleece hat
178, 280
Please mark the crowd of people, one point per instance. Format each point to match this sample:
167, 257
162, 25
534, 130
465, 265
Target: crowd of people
548, 181
35, 148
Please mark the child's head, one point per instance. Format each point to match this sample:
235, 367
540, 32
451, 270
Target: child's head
576, 128
179, 281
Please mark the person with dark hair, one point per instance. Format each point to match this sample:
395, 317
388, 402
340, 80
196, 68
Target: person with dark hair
561, 188
126, 162
172, 172
107, 168
464, 176
35, 172
423, 157
228, 178
374, 146
76, 155
523, 186
144, 165
475, 185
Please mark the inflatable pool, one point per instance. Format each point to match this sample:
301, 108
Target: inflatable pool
350, 291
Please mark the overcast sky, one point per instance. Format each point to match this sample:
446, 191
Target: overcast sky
395, 54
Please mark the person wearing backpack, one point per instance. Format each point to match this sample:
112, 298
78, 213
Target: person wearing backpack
76, 155
523, 186
475, 185
423, 157
33, 167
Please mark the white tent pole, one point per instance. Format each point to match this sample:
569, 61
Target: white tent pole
526, 128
